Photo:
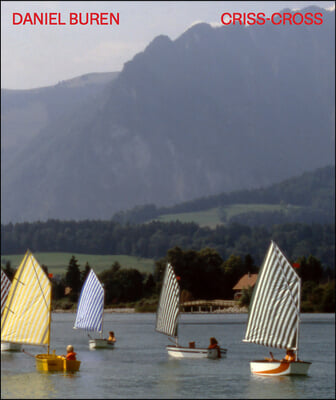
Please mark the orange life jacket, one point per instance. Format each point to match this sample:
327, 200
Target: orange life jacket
290, 358
71, 356
215, 346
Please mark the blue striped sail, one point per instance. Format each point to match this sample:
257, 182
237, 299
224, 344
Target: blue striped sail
5, 285
91, 305
168, 308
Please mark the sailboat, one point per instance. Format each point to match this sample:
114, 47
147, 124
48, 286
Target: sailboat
90, 311
167, 320
5, 285
27, 314
274, 315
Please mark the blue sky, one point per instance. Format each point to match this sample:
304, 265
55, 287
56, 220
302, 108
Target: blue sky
36, 56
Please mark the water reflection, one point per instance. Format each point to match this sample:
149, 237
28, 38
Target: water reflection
168, 382
31, 385
139, 367
276, 387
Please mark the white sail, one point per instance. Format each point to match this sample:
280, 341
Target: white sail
91, 305
5, 285
26, 315
168, 308
274, 310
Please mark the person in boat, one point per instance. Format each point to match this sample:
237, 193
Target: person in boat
111, 338
214, 345
71, 355
271, 358
290, 356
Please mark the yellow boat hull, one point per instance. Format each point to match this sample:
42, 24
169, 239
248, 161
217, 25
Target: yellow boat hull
54, 363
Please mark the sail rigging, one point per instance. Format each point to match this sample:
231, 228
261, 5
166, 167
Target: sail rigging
275, 305
168, 309
26, 315
5, 285
91, 305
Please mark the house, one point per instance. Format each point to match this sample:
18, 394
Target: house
247, 280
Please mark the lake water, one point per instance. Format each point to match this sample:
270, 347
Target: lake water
139, 367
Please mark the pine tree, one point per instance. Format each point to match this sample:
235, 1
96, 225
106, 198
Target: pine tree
73, 276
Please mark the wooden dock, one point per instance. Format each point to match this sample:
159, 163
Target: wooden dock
207, 305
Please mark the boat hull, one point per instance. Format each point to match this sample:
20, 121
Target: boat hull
190, 352
100, 344
9, 346
279, 368
54, 363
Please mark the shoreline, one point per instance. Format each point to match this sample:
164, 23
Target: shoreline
229, 310
106, 311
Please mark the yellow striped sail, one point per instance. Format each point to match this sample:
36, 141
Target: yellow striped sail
26, 315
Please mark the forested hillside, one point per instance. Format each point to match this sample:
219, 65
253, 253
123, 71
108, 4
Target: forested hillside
308, 198
314, 192
154, 239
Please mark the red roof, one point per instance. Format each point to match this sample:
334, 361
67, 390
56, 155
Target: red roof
246, 281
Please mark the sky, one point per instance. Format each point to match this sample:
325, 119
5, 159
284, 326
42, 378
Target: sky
35, 56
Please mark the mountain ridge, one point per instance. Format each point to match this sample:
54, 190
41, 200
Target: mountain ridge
217, 109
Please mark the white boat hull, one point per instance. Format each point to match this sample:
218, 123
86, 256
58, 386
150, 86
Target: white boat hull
8, 346
100, 344
279, 368
189, 352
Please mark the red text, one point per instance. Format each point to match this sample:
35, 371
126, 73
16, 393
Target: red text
286, 18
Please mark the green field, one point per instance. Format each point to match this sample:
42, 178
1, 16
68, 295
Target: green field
57, 263
211, 218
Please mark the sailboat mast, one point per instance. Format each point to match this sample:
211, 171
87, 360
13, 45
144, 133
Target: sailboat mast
101, 333
179, 314
49, 325
298, 323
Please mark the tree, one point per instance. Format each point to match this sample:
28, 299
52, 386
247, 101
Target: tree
85, 273
246, 296
9, 271
328, 298
149, 285
122, 285
249, 264
58, 289
73, 278
234, 269
45, 269
310, 269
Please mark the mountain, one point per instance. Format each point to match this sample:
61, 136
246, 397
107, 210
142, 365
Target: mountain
24, 113
218, 109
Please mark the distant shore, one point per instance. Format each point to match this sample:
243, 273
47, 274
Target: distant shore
228, 310
107, 310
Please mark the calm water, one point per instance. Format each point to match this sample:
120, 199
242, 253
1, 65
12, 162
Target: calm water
139, 366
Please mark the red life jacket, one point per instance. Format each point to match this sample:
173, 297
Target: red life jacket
215, 346
71, 356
